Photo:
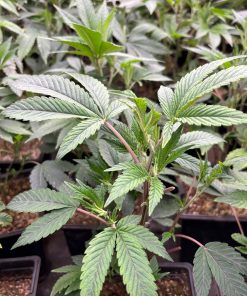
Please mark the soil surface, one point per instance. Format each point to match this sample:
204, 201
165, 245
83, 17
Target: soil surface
205, 205
174, 284
15, 284
7, 192
30, 151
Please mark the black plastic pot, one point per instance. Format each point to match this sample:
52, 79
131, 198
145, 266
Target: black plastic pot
207, 229
180, 266
24, 264
78, 235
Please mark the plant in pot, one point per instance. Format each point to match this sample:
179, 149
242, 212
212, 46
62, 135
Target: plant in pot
153, 136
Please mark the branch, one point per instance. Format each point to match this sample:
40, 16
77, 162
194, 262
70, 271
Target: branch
84, 212
122, 140
190, 239
237, 220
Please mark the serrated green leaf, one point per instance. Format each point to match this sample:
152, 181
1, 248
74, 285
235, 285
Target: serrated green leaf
26, 43
212, 116
223, 77
127, 181
37, 179
236, 199
58, 87
155, 194
96, 262
194, 77
40, 200
78, 134
109, 155
240, 238
95, 88
44, 226
165, 95
226, 266
65, 281
129, 220
201, 273
44, 108
134, 266
144, 237
197, 139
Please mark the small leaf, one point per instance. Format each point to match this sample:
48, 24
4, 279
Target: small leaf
127, 181
78, 134
155, 194
134, 266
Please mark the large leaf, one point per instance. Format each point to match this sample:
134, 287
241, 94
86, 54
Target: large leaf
96, 262
132, 177
144, 236
44, 108
202, 273
40, 200
212, 116
222, 262
78, 134
95, 88
236, 199
44, 226
197, 139
57, 87
155, 194
195, 77
134, 266
223, 77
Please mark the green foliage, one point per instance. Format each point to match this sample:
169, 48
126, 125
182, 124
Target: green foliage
134, 266
131, 177
222, 262
41, 200
45, 226
96, 262
242, 240
155, 193
50, 173
236, 199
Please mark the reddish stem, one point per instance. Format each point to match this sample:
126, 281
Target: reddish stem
84, 212
122, 140
237, 220
190, 239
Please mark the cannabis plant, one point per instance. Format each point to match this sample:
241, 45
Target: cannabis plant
153, 136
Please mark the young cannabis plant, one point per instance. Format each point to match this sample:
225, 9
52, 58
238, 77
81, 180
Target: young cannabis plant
154, 140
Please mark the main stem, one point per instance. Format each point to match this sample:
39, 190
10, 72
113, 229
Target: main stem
122, 140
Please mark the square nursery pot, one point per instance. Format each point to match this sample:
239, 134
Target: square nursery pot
26, 267
207, 229
77, 236
179, 270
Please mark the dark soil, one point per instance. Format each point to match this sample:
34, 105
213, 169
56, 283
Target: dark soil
15, 284
174, 284
30, 151
205, 205
7, 192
